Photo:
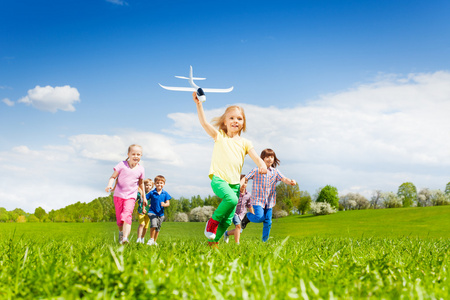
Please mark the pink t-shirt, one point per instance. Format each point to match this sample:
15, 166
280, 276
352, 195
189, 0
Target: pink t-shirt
128, 180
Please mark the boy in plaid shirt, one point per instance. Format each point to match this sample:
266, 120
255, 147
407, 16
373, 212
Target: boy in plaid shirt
241, 210
264, 195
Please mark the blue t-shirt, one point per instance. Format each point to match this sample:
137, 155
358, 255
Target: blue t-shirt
155, 202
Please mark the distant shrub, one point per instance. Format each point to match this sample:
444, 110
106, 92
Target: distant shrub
201, 213
33, 219
354, 201
439, 198
280, 214
322, 208
391, 200
181, 217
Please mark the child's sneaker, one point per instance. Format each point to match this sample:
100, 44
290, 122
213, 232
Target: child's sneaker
150, 242
226, 237
124, 241
120, 237
138, 241
244, 222
214, 245
211, 229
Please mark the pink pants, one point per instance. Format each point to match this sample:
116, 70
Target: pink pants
124, 210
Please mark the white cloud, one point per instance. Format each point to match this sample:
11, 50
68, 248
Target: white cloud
375, 136
8, 102
52, 99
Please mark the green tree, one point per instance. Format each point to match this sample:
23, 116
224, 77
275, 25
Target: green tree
185, 205
287, 195
212, 201
109, 212
447, 189
51, 215
40, 213
96, 210
408, 193
172, 210
305, 202
330, 195
196, 201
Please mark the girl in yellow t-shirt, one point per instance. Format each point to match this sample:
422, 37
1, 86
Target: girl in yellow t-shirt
226, 164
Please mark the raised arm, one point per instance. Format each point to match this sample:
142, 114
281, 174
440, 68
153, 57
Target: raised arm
262, 169
210, 130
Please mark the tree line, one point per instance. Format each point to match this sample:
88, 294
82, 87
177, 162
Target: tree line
290, 200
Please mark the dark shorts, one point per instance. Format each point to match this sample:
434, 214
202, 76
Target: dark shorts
156, 221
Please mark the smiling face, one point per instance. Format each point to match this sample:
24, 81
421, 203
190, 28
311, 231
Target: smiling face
134, 155
269, 160
148, 186
234, 122
159, 184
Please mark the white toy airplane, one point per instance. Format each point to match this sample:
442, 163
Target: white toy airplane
195, 88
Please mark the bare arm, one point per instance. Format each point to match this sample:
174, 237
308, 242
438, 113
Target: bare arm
165, 203
113, 177
210, 130
143, 197
289, 181
262, 169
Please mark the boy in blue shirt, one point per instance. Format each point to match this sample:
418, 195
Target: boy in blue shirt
158, 200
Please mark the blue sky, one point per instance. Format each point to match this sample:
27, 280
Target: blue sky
348, 93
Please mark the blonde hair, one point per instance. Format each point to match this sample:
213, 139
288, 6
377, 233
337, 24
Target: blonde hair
219, 122
148, 180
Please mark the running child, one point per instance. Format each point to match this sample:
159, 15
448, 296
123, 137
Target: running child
241, 209
159, 199
130, 175
264, 192
226, 164
144, 220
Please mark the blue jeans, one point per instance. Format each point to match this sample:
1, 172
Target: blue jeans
262, 215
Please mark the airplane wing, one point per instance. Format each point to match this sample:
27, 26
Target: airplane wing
174, 88
194, 78
206, 90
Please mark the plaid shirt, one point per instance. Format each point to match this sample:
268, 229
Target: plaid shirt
264, 187
242, 205
140, 202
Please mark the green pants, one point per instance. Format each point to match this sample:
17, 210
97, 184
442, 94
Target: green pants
229, 193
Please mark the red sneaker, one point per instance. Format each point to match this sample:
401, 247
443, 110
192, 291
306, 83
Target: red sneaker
211, 229
214, 245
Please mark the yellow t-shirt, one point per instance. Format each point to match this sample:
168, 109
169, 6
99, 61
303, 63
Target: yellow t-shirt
228, 157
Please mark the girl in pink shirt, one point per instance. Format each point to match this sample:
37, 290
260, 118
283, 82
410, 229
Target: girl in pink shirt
130, 175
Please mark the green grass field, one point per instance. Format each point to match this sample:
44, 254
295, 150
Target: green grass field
381, 254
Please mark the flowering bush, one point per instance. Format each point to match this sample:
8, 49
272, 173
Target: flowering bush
181, 217
391, 200
201, 213
322, 208
439, 198
280, 214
